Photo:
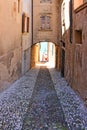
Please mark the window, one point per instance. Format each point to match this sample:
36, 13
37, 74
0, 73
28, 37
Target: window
78, 36
63, 17
63, 14
45, 22
45, 1
25, 23
18, 6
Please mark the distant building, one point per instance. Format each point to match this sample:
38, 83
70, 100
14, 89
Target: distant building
45, 27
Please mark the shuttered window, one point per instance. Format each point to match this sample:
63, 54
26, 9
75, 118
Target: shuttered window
45, 22
25, 23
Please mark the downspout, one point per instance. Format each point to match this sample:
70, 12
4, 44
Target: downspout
32, 22
31, 33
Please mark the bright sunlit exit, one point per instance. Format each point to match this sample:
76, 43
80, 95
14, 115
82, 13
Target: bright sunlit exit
46, 53
43, 51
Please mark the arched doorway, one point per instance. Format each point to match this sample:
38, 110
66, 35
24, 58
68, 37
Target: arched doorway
43, 53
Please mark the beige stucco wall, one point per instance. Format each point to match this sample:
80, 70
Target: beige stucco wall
48, 9
77, 3
10, 42
34, 55
26, 37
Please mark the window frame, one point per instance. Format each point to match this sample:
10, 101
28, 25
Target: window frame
46, 23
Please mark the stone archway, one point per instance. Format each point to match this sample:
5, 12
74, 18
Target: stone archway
49, 56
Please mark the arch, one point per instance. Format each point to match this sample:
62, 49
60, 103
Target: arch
49, 55
44, 41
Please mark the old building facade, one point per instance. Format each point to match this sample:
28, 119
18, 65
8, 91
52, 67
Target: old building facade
45, 24
26, 34
44, 21
80, 48
73, 44
10, 42
15, 40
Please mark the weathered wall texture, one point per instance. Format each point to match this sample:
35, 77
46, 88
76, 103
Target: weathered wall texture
34, 55
26, 36
74, 50
10, 42
66, 51
40, 30
80, 56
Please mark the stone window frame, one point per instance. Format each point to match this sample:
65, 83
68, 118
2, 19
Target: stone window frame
46, 1
44, 20
25, 23
78, 36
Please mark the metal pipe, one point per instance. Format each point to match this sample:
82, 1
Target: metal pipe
32, 22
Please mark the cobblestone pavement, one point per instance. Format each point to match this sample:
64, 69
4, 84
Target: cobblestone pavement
45, 112
15, 101
46, 107
73, 107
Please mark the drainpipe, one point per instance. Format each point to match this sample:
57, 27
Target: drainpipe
32, 22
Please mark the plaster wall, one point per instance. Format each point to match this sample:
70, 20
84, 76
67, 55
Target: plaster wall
50, 9
10, 42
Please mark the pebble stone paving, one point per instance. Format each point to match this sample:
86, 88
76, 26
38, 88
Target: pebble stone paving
73, 107
45, 112
15, 100
48, 104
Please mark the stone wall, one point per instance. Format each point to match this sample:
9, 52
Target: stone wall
80, 52
75, 68
10, 42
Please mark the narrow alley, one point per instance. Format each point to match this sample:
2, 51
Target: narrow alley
42, 100
43, 65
